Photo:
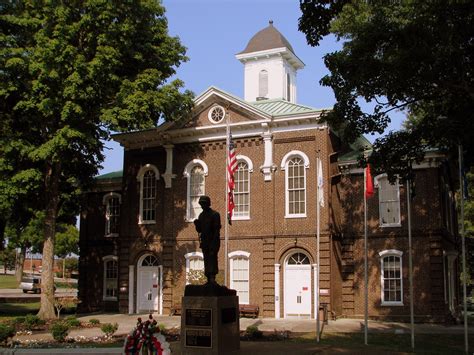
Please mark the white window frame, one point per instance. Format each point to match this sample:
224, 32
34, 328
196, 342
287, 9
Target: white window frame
189, 257
105, 260
105, 201
263, 83
383, 254
377, 184
187, 174
232, 256
245, 159
140, 175
284, 166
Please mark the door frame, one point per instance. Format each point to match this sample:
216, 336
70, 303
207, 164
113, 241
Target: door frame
285, 265
159, 282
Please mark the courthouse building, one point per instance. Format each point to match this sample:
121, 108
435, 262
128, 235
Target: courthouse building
139, 247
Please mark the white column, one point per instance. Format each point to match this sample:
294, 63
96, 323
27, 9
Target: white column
451, 255
268, 167
277, 290
168, 175
160, 276
315, 289
131, 285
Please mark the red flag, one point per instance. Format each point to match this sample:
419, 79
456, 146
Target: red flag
231, 168
369, 184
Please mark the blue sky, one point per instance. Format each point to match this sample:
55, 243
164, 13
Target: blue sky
213, 31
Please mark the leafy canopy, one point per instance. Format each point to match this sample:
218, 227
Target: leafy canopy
415, 56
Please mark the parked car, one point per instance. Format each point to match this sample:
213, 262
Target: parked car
31, 283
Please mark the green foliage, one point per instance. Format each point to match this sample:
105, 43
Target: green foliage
253, 332
94, 321
71, 74
72, 321
162, 328
6, 332
401, 55
59, 330
72, 264
32, 321
8, 257
19, 320
67, 240
109, 329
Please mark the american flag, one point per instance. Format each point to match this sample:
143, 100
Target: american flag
231, 168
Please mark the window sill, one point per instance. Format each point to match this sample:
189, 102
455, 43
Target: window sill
146, 222
110, 298
295, 216
240, 218
391, 225
112, 235
390, 304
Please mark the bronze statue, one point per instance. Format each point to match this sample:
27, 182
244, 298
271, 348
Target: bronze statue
208, 226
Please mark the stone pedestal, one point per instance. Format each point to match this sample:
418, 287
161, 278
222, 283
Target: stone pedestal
210, 324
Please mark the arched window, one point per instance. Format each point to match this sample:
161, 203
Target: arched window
389, 201
150, 260
263, 83
147, 177
391, 277
195, 268
298, 259
110, 278
295, 164
112, 203
195, 172
242, 188
240, 274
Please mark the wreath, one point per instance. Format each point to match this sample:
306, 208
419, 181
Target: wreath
146, 338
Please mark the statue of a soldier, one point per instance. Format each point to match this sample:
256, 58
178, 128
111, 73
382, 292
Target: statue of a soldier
208, 226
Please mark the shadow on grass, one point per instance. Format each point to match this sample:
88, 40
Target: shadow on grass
389, 342
11, 310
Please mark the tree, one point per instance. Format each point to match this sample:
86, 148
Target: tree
414, 56
73, 72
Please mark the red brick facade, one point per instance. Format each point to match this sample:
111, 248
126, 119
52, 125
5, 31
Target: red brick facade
268, 235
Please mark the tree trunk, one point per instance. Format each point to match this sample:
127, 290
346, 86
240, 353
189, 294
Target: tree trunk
19, 263
47, 279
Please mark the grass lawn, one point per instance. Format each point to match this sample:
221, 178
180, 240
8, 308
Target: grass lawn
386, 342
8, 281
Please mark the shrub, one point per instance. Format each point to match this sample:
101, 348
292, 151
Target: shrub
162, 328
19, 320
6, 331
94, 321
109, 329
59, 330
32, 321
72, 321
253, 332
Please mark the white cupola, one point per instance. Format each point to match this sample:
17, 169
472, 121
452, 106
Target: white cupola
270, 66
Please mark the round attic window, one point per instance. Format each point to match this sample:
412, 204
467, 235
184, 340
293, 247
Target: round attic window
216, 114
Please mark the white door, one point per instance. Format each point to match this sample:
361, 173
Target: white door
297, 287
148, 285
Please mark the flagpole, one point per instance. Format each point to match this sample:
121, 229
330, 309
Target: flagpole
410, 265
366, 287
317, 251
226, 228
463, 250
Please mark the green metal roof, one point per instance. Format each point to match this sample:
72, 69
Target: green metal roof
112, 175
280, 107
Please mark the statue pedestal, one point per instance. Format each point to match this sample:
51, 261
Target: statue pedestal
209, 324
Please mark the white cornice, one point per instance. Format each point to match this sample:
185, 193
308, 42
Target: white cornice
296, 62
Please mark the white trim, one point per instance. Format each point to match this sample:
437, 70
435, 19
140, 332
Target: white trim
397, 185
209, 114
189, 167
131, 286
284, 164
277, 291
188, 257
284, 52
140, 176
232, 256
187, 174
105, 260
110, 195
159, 280
291, 154
382, 255
247, 160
